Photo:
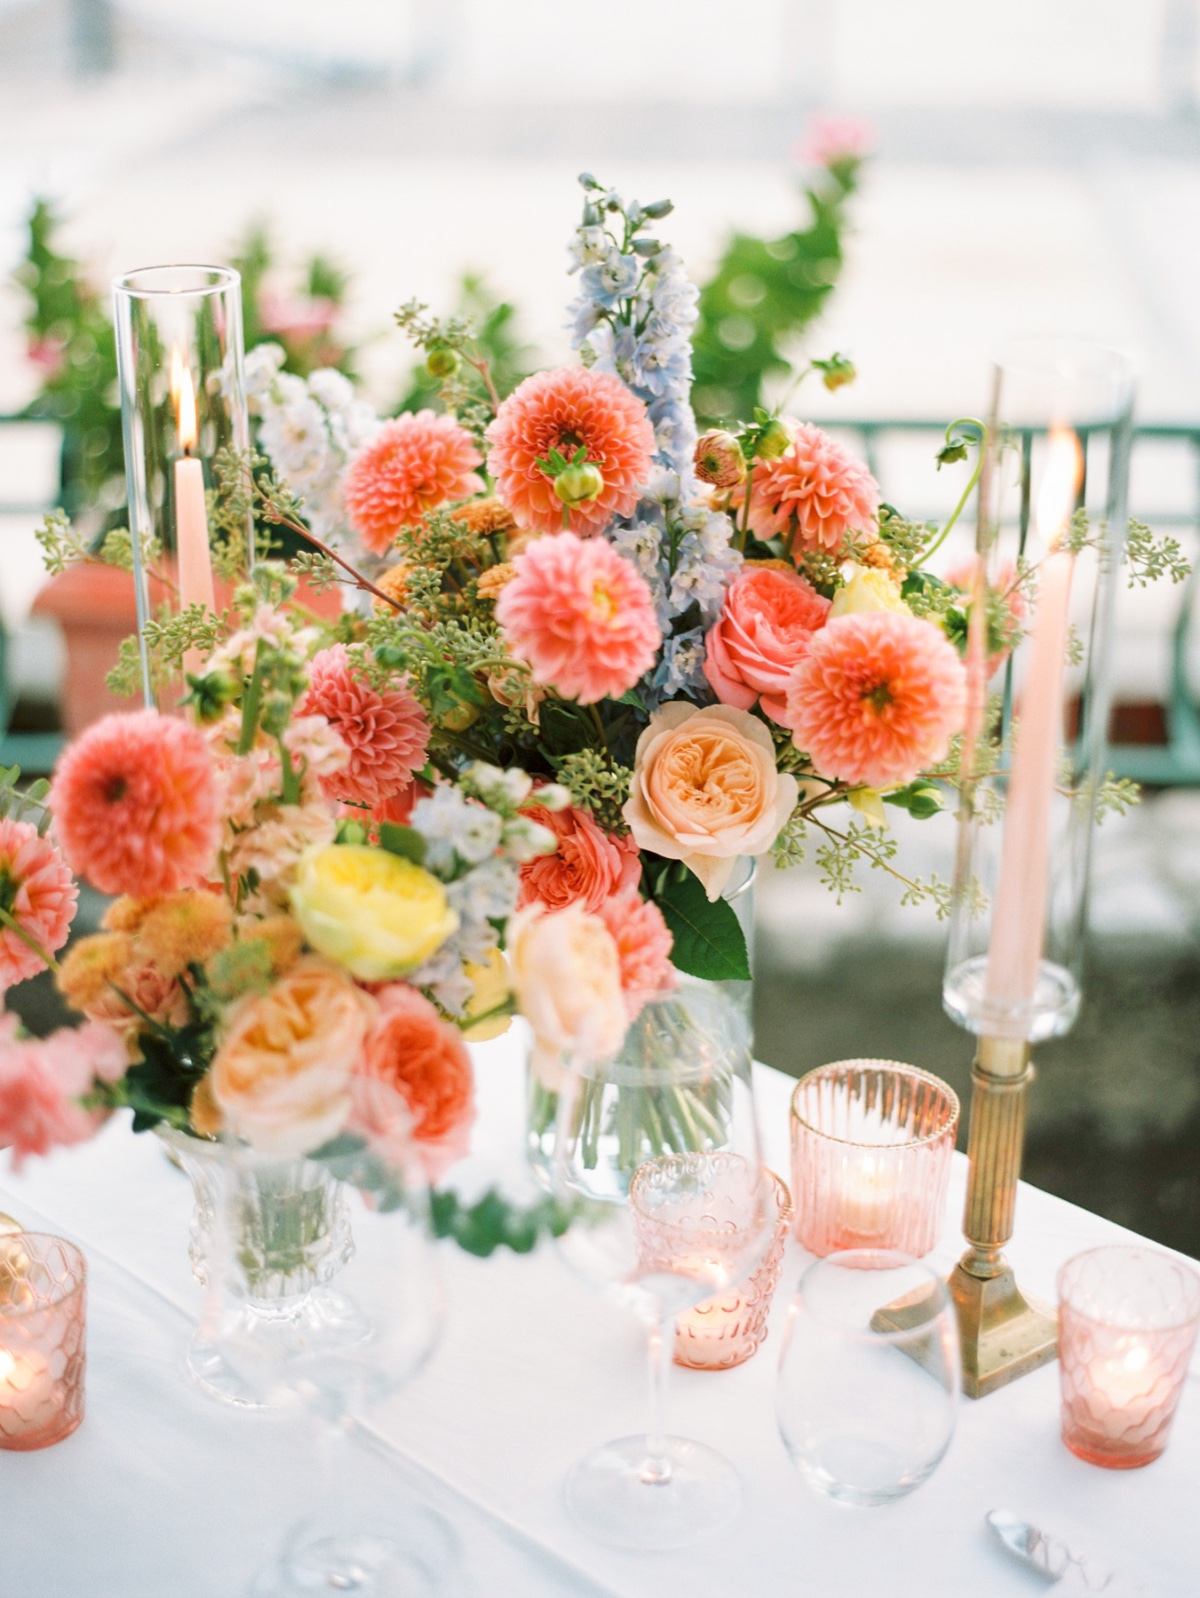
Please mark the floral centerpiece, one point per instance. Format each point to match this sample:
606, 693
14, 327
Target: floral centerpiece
594, 662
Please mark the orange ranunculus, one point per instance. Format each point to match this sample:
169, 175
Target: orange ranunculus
706, 790
281, 1075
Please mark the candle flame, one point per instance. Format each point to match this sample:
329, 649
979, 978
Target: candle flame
7, 1363
1061, 478
183, 397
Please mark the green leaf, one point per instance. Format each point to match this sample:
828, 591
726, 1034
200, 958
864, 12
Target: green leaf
709, 941
406, 842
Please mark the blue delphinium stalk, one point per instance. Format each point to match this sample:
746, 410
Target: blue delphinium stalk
634, 316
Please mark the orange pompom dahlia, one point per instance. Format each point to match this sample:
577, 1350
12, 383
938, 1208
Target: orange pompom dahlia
566, 410
415, 463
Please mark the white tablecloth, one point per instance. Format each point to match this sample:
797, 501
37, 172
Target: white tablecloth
162, 1491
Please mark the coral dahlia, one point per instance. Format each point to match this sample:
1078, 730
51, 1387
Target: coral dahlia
415, 463
816, 489
644, 944
38, 893
878, 696
564, 410
386, 733
136, 804
581, 616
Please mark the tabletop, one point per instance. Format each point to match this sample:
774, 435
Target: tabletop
163, 1491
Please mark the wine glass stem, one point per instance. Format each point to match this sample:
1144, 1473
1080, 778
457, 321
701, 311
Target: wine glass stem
656, 1467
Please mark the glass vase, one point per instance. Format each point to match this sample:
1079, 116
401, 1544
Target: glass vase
183, 401
542, 1096
292, 1236
1039, 654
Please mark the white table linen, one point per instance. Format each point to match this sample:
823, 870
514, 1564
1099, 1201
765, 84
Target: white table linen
162, 1491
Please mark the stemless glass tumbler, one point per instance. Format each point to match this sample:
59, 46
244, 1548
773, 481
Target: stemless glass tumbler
869, 1376
1127, 1327
871, 1147
43, 1315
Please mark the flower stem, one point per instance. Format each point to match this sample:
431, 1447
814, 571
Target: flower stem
30, 942
961, 421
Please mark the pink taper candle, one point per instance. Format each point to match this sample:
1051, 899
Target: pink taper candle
194, 562
1018, 926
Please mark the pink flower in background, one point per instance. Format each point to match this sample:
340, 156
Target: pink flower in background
644, 944
415, 463
288, 314
137, 805
816, 487
41, 1081
877, 698
38, 891
763, 632
562, 410
830, 138
589, 865
410, 1049
581, 616
386, 733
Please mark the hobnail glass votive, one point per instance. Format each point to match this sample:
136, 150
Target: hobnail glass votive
43, 1312
871, 1147
1127, 1321
726, 1330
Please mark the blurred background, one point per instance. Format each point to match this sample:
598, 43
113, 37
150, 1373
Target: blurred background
1028, 166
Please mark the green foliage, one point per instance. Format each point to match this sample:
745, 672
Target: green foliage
491, 325
406, 842
24, 804
1150, 557
709, 941
763, 294
70, 334
309, 343
493, 1222
597, 785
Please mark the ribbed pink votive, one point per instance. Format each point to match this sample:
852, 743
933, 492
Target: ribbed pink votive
1127, 1322
43, 1313
871, 1147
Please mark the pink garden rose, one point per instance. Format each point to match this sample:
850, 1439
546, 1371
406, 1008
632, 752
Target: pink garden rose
761, 635
588, 866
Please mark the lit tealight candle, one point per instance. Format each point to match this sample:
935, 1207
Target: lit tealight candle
28, 1398
864, 1207
1122, 1381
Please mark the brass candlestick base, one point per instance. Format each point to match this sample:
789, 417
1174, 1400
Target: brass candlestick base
1002, 1335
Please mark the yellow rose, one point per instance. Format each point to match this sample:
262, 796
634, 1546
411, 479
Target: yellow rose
566, 972
373, 912
705, 789
867, 589
491, 989
281, 1075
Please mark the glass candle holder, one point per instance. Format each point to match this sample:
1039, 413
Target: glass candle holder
726, 1330
183, 400
1039, 650
1127, 1327
871, 1147
43, 1313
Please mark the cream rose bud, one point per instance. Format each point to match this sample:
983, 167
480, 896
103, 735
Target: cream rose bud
706, 790
868, 589
566, 973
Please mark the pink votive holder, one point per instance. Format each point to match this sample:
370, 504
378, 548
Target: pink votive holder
725, 1331
43, 1314
1127, 1321
871, 1148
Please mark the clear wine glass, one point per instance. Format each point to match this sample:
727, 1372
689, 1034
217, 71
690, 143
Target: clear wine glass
659, 1148
368, 1317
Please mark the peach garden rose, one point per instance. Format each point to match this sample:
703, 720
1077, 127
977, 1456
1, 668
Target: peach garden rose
566, 972
281, 1076
705, 789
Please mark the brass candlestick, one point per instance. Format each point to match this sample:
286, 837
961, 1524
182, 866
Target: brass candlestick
1002, 1334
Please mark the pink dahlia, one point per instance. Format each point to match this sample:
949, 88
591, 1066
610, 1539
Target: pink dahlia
386, 733
816, 489
38, 892
588, 866
878, 696
415, 463
766, 623
137, 806
581, 616
562, 410
644, 944
42, 1080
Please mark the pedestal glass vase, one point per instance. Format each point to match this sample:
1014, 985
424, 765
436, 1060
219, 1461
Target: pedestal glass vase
183, 402
292, 1236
